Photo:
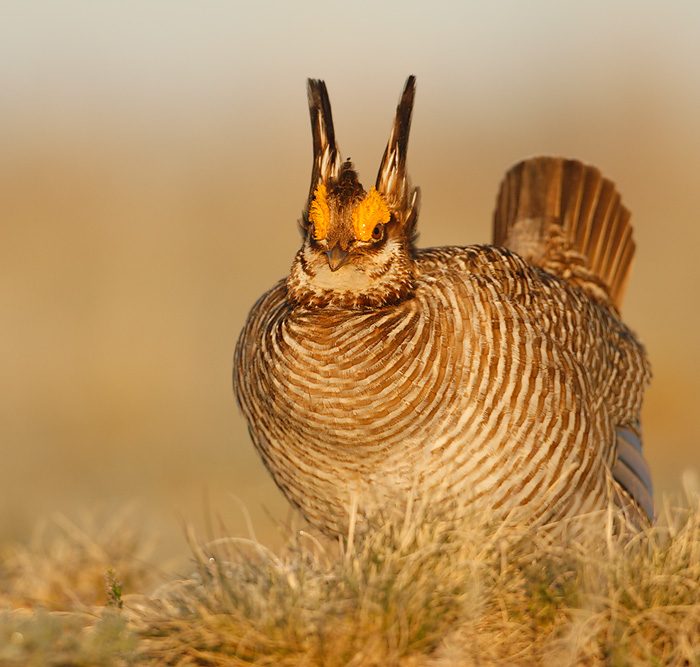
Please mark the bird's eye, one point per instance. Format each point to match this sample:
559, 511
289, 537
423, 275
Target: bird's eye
378, 231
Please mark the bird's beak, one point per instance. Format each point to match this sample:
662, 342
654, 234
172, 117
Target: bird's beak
337, 257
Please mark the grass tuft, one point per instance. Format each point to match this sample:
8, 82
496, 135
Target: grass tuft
424, 589
435, 591
63, 567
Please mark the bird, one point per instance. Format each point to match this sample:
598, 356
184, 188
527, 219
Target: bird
499, 378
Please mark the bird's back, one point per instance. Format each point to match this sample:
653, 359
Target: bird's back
565, 217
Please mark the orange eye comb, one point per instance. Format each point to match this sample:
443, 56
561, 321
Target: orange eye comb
319, 213
371, 210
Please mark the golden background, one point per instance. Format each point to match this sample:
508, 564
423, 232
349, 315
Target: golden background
154, 159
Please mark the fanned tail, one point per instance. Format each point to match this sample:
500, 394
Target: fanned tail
566, 217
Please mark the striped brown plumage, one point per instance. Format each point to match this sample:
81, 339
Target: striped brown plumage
494, 377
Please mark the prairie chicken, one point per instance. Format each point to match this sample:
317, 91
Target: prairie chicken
500, 376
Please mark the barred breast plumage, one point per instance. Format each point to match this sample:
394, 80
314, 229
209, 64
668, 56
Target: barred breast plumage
496, 376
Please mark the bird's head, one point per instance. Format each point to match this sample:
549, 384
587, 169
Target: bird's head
357, 250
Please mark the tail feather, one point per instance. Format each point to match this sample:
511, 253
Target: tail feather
565, 216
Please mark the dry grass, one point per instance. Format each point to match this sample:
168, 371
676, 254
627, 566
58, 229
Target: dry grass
425, 590
60, 593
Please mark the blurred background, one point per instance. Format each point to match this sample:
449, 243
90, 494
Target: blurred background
154, 159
